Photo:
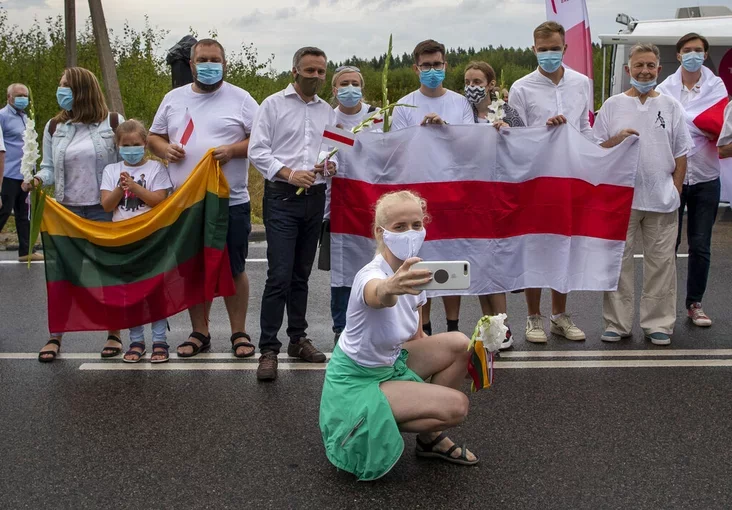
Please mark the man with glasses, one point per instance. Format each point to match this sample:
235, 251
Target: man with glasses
285, 148
435, 105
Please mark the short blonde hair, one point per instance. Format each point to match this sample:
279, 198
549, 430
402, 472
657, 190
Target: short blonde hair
381, 212
345, 70
130, 126
547, 29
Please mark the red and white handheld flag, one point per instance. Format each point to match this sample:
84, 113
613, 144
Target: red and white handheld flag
535, 208
187, 129
574, 17
339, 138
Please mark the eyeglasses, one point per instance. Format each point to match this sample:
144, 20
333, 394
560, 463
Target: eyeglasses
437, 66
347, 68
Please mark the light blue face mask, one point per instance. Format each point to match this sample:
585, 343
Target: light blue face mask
692, 61
550, 61
210, 73
21, 102
132, 155
65, 98
644, 87
349, 96
432, 78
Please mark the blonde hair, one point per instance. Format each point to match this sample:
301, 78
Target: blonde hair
483, 67
130, 126
381, 212
345, 70
89, 103
547, 29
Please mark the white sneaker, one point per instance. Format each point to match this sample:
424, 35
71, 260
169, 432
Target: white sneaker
698, 317
535, 329
563, 326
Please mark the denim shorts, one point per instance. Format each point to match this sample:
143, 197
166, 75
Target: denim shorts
90, 212
237, 237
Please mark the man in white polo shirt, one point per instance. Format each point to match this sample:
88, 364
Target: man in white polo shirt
211, 113
434, 105
551, 95
660, 122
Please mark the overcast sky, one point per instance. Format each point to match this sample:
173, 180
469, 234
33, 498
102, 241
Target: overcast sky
343, 28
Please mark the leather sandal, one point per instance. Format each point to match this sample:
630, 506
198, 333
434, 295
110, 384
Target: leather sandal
49, 356
111, 352
428, 450
139, 354
197, 349
243, 343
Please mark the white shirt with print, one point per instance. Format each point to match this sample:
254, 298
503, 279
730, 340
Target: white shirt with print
151, 175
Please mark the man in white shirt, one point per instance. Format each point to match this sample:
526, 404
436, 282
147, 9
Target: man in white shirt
702, 94
435, 105
212, 113
550, 96
660, 122
285, 148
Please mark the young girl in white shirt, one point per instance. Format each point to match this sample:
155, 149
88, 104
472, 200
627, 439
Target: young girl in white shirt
130, 188
375, 382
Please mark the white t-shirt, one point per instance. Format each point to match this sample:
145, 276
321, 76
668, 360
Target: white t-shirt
81, 187
725, 137
452, 107
151, 175
702, 166
664, 136
374, 337
219, 118
537, 99
348, 122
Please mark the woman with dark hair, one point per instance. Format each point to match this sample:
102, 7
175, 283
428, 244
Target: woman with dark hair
77, 144
481, 90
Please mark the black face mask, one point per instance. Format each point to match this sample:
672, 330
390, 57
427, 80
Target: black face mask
309, 86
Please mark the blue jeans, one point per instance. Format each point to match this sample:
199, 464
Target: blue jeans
137, 334
339, 306
702, 203
292, 226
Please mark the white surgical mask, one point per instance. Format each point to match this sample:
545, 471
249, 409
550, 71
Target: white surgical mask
406, 244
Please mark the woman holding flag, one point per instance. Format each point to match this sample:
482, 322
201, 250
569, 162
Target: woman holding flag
78, 144
375, 382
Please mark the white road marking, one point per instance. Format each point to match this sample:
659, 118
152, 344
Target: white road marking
95, 355
196, 366
616, 354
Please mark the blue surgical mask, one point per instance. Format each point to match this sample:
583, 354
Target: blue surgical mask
349, 96
210, 73
132, 155
432, 78
644, 87
21, 102
692, 61
65, 98
550, 61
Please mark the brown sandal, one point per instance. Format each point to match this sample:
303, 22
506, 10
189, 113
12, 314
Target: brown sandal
49, 356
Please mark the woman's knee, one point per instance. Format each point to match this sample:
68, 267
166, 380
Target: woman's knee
459, 407
459, 343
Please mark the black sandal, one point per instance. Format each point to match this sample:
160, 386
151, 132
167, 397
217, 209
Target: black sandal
243, 343
427, 450
162, 349
205, 344
49, 356
112, 351
139, 354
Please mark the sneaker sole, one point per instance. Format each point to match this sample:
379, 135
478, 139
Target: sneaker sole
559, 332
659, 342
610, 338
536, 340
506, 345
701, 325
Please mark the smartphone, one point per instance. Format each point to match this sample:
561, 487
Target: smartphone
446, 274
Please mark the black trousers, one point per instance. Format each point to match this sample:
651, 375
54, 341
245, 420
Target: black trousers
14, 198
292, 223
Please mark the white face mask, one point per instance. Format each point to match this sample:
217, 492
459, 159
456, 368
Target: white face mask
406, 244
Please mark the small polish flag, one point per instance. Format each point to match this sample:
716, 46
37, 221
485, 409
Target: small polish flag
187, 129
337, 137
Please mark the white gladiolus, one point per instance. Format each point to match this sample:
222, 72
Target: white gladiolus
493, 332
30, 150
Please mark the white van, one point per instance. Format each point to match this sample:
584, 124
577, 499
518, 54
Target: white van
713, 22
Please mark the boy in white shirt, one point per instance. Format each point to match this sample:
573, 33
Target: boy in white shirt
660, 122
434, 105
550, 96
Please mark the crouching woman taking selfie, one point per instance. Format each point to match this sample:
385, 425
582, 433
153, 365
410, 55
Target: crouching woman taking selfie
375, 382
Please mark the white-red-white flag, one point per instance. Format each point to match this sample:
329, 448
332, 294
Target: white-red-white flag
529, 208
187, 128
574, 17
337, 137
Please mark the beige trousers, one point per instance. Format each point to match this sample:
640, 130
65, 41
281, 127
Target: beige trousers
658, 302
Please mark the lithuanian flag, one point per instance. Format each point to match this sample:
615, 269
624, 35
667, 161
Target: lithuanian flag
102, 276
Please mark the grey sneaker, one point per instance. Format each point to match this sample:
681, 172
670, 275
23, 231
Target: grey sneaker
659, 338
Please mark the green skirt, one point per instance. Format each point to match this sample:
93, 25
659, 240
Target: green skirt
359, 431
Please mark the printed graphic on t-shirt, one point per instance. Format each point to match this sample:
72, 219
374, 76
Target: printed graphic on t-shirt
130, 201
660, 120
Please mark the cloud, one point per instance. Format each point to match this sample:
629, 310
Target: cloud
253, 18
24, 4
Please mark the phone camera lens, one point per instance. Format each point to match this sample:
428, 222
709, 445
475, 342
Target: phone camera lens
441, 276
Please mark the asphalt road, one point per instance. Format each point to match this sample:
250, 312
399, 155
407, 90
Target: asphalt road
566, 425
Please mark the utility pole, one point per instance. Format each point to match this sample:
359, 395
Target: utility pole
106, 60
70, 19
